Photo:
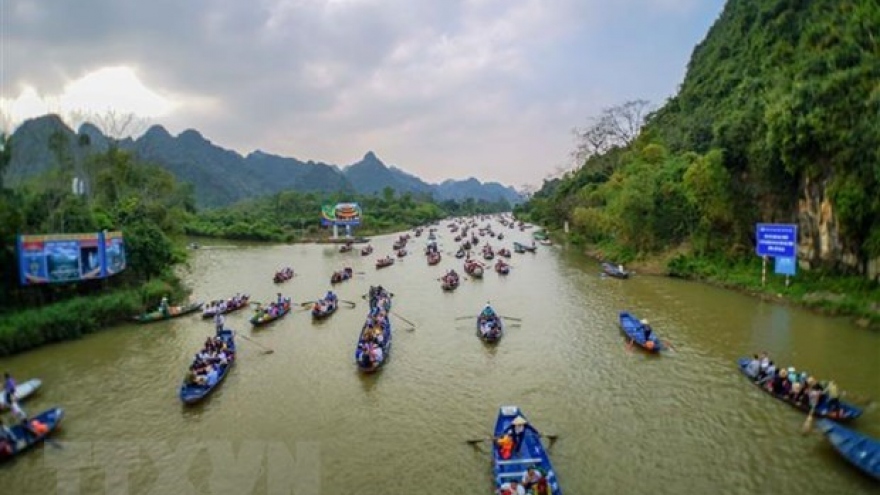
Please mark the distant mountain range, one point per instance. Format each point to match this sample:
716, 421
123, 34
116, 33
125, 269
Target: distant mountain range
222, 176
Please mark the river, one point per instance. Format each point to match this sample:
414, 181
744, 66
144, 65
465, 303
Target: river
303, 419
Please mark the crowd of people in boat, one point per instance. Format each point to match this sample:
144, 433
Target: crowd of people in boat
375, 333
796, 386
328, 302
283, 275
273, 310
226, 305
509, 444
490, 324
209, 363
450, 278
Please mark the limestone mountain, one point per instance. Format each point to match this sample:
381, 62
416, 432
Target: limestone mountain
222, 176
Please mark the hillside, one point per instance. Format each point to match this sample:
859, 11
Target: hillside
221, 176
775, 121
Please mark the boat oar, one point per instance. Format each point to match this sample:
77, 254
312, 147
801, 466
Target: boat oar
353, 304
808, 424
53, 443
510, 318
669, 345
405, 320
465, 317
857, 399
474, 441
306, 303
266, 350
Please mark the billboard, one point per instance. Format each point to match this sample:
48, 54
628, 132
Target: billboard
341, 214
59, 258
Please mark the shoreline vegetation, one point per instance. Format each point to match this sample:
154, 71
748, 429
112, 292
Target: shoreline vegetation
824, 293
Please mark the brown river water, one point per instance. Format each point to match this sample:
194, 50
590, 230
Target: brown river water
303, 420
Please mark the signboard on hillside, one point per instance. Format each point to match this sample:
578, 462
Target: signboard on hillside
60, 258
342, 214
777, 240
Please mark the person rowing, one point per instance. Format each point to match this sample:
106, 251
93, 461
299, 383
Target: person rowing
646, 328
517, 431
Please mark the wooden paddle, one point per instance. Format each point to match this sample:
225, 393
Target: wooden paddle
510, 318
353, 304
551, 437
465, 317
808, 424
857, 399
413, 325
266, 349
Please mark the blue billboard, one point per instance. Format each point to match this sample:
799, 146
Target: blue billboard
776, 240
60, 258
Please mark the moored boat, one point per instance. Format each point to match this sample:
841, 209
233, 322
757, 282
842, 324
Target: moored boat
490, 327
23, 390
859, 449
273, 311
616, 271
843, 413
227, 306
42, 425
639, 333
219, 364
509, 464
172, 312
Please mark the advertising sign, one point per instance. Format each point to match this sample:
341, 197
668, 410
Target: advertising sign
59, 258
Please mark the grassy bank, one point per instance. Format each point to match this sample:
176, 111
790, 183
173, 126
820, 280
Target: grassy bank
829, 294
72, 318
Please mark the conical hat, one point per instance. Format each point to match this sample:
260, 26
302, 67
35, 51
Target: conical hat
519, 421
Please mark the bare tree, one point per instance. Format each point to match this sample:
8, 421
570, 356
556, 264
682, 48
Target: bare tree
616, 126
115, 125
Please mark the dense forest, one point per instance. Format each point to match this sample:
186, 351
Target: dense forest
775, 121
292, 215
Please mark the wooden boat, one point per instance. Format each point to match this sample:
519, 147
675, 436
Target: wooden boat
502, 268
49, 419
633, 329
490, 327
382, 263
460, 254
192, 393
367, 251
342, 275
212, 307
434, 258
521, 248
845, 413
345, 248
401, 253
473, 268
364, 363
323, 308
488, 255
173, 312
22, 391
860, 450
284, 275
504, 253
531, 455
615, 271
380, 297
449, 282
265, 319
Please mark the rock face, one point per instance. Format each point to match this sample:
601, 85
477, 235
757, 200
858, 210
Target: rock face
820, 242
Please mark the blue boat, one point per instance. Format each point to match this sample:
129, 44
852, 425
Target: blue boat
616, 271
860, 450
532, 455
25, 440
846, 412
632, 327
193, 393
364, 361
490, 327
323, 308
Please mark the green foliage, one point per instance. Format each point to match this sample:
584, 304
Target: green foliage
292, 215
782, 97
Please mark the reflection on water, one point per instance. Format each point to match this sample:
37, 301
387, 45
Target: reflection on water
683, 422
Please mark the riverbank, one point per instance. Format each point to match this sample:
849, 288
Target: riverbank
72, 318
827, 294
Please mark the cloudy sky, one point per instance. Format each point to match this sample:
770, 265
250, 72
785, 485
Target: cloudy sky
440, 88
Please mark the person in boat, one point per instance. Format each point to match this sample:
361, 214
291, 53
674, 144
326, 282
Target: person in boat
647, 330
6, 434
22, 417
163, 306
533, 479
832, 396
753, 369
487, 311
517, 430
8, 387
511, 488
219, 322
